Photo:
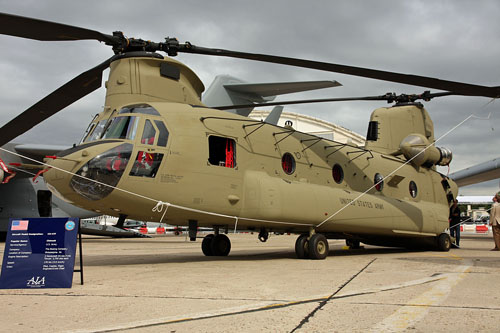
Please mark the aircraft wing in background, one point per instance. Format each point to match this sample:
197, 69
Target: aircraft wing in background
478, 173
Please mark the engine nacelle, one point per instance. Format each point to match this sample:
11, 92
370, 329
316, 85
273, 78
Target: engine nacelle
418, 148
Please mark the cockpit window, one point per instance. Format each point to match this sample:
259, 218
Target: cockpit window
123, 127
162, 139
96, 131
140, 108
148, 134
97, 178
89, 129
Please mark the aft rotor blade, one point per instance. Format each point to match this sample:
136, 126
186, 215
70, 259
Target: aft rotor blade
387, 97
458, 88
72, 91
26, 27
302, 101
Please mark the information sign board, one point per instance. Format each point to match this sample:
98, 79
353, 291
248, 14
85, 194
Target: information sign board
39, 253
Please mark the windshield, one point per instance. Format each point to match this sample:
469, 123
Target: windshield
123, 127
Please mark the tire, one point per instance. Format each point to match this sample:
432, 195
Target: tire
206, 245
302, 247
318, 247
444, 242
220, 245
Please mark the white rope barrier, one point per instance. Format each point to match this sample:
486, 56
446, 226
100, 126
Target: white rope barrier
158, 208
158, 203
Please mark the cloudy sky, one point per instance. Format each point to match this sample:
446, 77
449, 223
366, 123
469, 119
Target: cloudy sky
453, 40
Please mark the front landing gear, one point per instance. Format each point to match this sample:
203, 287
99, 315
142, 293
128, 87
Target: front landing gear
443, 242
216, 245
313, 247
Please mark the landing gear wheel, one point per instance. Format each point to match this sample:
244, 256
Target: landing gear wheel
318, 247
444, 242
206, 245
302, 247
352, 243
220, 245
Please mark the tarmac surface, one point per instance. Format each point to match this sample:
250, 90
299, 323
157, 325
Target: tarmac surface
165, 284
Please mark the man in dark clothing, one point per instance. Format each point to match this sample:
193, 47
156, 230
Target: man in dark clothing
455, 222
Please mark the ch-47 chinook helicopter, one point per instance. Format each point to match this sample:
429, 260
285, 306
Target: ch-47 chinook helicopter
156, 144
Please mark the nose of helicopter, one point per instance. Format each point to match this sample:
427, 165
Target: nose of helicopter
91, 172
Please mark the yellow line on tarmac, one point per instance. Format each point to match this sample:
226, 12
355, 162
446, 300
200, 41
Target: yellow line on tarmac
417, 308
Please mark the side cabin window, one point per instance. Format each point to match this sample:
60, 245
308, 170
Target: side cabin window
288, 163
222, 151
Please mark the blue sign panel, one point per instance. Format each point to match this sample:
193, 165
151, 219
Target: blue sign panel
39, 253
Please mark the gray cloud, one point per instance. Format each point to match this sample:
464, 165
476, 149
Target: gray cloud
454, 40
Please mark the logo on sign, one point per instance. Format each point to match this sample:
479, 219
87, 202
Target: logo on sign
70, 225
36, 281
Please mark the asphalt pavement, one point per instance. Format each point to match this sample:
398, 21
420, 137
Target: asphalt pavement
166, 284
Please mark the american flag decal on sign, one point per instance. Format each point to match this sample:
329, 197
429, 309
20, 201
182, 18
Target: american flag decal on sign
19, 225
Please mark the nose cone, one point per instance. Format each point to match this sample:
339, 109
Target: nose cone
88, 171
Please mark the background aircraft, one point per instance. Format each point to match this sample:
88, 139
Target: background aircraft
478, 173
20, 196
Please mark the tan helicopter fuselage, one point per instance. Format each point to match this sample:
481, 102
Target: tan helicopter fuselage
222, 169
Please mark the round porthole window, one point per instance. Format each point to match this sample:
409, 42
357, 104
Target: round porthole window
337, 173
379, 181
288, 163
413, 189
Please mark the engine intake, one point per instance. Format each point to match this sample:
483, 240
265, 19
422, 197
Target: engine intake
417, 148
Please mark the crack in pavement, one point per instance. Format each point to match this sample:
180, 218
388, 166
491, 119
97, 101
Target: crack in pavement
430, 306
149, 296
244, 309
324, 302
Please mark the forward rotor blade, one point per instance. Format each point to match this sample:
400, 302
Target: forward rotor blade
458, 88
72, 91
26, 27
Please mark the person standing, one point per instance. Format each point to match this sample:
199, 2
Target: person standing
495, 221
455, 222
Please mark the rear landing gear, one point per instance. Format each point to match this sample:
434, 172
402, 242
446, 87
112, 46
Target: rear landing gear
314, 247
206, 244
216, 245
302, 247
